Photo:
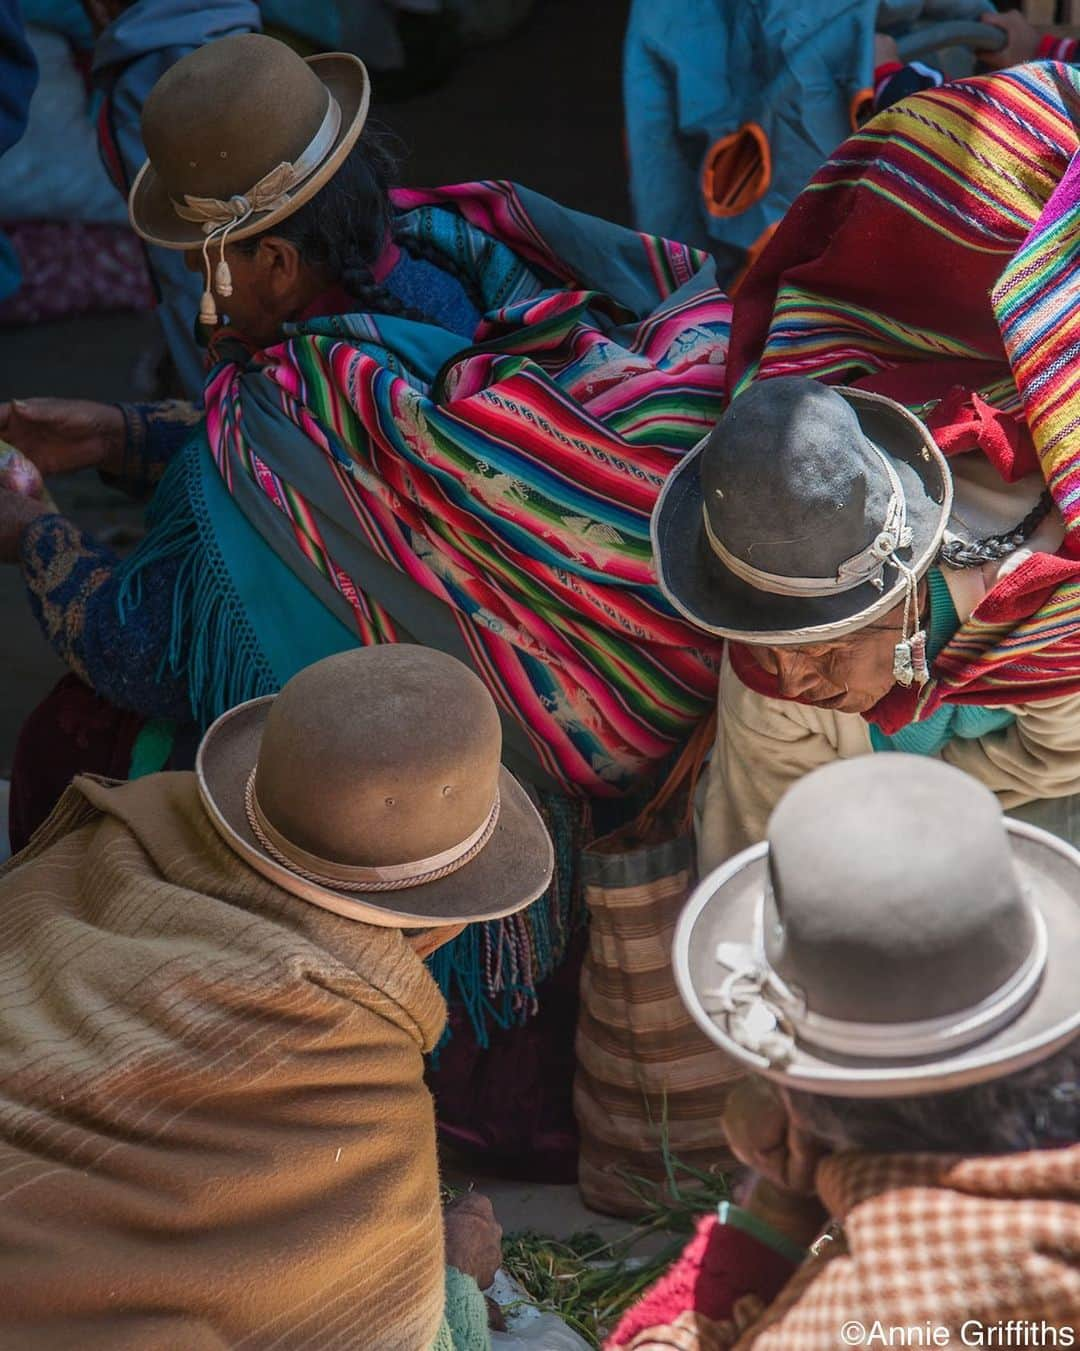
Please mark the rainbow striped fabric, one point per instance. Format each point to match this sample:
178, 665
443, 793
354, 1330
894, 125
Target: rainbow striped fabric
513, 479
934, 259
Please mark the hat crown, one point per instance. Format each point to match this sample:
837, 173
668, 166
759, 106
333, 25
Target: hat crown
226, 115
894, 895
791, 485
380, 756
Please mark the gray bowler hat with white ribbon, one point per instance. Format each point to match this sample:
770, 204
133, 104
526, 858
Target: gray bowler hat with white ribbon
895, 935
805, 514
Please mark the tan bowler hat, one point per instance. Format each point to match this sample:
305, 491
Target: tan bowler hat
371, 786
896, 935
240, 134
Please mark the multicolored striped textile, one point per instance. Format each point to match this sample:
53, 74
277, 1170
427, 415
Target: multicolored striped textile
934, 259
512, 479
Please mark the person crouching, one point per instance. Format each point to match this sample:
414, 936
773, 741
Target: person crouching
214, 1128
896, 969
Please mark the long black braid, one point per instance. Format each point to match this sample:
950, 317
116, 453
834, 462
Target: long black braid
957, 554
346, 224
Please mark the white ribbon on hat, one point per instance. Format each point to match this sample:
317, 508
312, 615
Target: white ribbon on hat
766, 1017
273, 189
219, 216
868, 565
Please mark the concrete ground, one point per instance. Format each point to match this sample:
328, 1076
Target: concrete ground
543, 108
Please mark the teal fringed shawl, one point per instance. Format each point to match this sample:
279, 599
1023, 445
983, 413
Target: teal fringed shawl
229, 574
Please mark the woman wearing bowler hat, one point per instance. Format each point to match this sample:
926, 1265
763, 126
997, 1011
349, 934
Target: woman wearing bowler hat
213, 1019
856, 574
431, 416
895, 969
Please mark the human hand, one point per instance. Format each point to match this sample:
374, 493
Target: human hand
762, 1135
1022, 41
17, 510
62, 435
885, 50
473, 1238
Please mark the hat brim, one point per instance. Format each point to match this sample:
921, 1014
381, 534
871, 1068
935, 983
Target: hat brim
150, 208
509, 873
708, 594
723, 909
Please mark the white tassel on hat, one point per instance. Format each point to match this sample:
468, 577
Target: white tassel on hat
221, 279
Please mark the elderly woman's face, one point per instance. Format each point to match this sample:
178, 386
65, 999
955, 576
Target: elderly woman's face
269, 285
850, 675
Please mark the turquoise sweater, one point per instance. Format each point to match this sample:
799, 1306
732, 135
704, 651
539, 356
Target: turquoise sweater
967, 721
465, 1320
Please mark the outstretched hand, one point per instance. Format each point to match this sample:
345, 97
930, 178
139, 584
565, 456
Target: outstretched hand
60, 436
1021, 40
473, 1238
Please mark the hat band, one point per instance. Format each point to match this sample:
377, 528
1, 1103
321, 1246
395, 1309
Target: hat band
356, 877
768, 1018
927, 1036
868, 565
272, 191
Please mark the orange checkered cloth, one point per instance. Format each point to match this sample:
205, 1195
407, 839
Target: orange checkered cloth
927, 1240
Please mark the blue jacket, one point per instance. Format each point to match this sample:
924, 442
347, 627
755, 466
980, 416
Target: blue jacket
18, 74
783, 76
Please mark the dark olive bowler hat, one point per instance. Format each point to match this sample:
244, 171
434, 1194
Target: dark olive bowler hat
241, 133
371, 786
894, 935
797, 518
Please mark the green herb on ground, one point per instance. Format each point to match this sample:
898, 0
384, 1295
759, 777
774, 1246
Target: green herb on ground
589, 1281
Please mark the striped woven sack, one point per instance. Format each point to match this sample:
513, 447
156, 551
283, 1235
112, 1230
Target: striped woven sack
650, 1088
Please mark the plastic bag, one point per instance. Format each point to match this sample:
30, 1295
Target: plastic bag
527, 1328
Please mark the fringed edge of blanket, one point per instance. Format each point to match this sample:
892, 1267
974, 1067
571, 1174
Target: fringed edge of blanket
492, 969
71, 813
211, 642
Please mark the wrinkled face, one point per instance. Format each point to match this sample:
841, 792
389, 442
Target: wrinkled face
270, 284
850, 675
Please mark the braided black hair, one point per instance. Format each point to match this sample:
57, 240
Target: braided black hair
344, 228
957, 554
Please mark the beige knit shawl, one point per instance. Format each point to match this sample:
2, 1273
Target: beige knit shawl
213, 1126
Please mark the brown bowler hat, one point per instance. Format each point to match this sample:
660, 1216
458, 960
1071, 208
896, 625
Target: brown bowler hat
371, 786
895, 935
244, 131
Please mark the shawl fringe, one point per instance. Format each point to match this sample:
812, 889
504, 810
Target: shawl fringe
211, 640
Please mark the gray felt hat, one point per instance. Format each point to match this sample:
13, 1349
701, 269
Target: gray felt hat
802, 515
895, 935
